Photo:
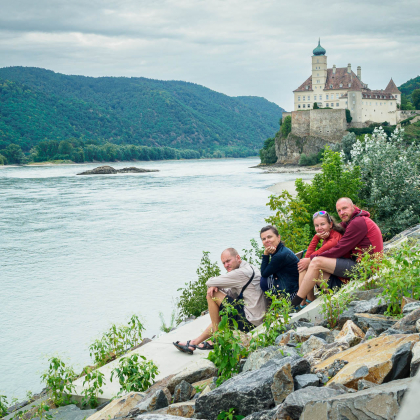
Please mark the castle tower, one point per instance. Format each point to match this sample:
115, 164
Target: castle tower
319, 68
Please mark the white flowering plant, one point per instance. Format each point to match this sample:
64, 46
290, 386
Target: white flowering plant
390, 179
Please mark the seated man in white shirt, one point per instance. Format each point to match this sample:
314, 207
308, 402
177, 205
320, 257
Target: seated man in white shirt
240, 277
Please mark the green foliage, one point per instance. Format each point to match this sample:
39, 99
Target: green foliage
369, 130
406, 104
408, 87
134, 375
291, 219
268, 152
415, 98
93, 382
286, 127
58, 381
38, 104
228, 349
275, 320
349, 118
391, 183
172, 323
116, 341
3, 406
400, 275
312, 159
253, 255
365, 272
315, 105
346, 145
333, 303
13, 154
229, 415
193, 299
3, 160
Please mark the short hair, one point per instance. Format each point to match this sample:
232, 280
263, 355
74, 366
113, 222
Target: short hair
270, 227
347, 199
232, 251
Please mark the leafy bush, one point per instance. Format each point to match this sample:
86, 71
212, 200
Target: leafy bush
253, 255
116, 341
365, 272
3, 160
58, 380
228, 349
400, 275
268, 152
134, 375
3, 406
312, 159
94, 381
275, 320
346, 145
315, 105
391, 185
193, 299
286, 127
349, 118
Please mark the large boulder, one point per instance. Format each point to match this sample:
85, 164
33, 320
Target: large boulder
303, 381
182, 409
415, 360
375, 305
312, 344
183, 392
379, 323
380, 402
351, 334
261, 356
321, 332
410, 307
296, 402
151, 402
67, 412
366, 294
119, 407
196, 371
378, 360
282, 384
408, 323
323, 353
262, 415
153, 416
410, 405
248, 392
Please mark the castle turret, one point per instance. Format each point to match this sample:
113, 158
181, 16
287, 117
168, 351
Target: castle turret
359, 73
349, 68
319, 67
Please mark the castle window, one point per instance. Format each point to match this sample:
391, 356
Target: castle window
330, 86
314, 97
336, 96
336, 104
304, 105
327, 96
320, 97
304, 98
332, 104
309, 98
354, 95
317, 81
341, 85
327, 104
299, 106
349, 84
307, 87
298, 98
317, 74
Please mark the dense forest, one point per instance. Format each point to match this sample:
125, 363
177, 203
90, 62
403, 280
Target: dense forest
38, 105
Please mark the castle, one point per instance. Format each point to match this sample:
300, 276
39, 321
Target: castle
340, 88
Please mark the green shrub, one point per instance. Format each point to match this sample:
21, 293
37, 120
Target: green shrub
268, 152
349, 118
3, 160
134, 375
315, 105
391, 185
286, 127
312, 159
193, 299
228, 349
58, 380
3, 406
94, 380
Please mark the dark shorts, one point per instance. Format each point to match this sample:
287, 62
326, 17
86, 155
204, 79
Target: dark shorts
240, 318
343, 265
334, 282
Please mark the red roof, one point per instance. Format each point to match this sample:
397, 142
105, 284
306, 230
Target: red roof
392, 88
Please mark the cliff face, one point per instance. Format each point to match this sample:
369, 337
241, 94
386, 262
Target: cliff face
311, 131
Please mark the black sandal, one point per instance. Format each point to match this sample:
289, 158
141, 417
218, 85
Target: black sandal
206, 346
185, 349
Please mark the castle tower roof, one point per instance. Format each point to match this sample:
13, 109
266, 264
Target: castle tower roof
319, 50
392, 88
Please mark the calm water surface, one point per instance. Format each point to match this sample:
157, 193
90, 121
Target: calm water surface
79, 253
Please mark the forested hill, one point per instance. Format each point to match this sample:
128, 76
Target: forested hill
38, 104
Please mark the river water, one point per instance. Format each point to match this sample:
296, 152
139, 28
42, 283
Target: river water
78, 253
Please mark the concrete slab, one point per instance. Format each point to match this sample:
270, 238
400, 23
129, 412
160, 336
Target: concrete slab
161, 350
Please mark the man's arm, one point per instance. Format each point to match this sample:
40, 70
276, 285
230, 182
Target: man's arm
355, 232
234, 279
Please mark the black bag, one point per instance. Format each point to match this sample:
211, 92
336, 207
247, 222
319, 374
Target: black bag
241, 295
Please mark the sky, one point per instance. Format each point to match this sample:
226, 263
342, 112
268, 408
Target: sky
237, 47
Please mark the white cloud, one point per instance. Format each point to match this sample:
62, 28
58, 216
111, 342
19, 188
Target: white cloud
235, 47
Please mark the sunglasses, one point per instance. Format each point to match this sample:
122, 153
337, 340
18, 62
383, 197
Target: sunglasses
321, 213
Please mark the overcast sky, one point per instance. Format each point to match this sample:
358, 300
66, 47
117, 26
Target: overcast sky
237, 47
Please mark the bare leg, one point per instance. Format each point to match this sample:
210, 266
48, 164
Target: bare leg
213, 305
301, 276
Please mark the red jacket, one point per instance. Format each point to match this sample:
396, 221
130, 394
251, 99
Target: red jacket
326, 245
361, 232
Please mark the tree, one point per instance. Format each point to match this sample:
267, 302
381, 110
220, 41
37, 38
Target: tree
65, 148
348, 116
286, 127
13, 153
3, 160
415, 98
315, 106
406, 104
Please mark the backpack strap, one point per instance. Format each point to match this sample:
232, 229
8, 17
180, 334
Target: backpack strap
241, 295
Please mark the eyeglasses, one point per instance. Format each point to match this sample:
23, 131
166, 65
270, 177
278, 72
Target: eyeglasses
321, 213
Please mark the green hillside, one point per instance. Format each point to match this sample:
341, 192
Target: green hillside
408, 87
38, 104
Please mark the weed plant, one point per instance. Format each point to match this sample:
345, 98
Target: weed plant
254, 254
168, 327
94, 381
193, 299
3, 406
228, 349
134, 375
229, 415
58, 380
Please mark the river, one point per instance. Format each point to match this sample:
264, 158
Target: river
78, 253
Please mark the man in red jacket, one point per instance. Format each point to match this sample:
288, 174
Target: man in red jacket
361, 234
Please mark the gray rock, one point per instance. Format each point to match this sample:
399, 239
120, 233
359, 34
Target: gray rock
412, 233
366, 294
151, 402
303, 381
410, 307
327, 351
392, 331
410, 405
380, 402
365, 384
299, 324
262, 415
313, 343
196, 371
248, 392
400, 363
295, 402
415, 359
261, 356
299, 366
68, 412
183, 392
318, 331
109, 170
335, 367
418, 325
158, 417
379, 323
408, 323
370, 333
282, 384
